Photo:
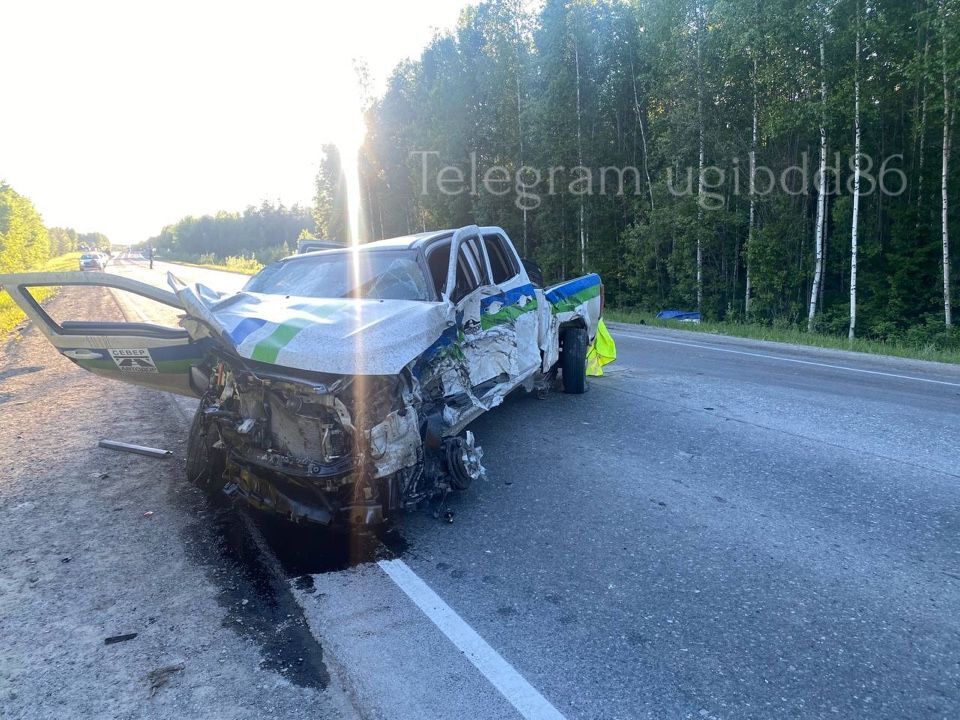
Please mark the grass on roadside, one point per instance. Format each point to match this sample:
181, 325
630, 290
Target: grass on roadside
793, 335
11, 315
243, 265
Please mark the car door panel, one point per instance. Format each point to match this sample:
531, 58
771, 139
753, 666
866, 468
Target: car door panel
138, 353
514, 304
499, 329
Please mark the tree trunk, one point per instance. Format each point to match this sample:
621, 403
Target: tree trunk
945, 170
643, 134
516, 56
753, 194
700, 165
821, 204
923, 129
856, 186
583, 237
826, 241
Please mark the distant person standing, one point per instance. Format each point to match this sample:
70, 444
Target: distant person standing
150, 255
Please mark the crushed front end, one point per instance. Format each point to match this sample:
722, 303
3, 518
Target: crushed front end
329, 449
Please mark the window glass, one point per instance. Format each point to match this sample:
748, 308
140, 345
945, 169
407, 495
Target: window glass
97, 304
473, 253
502, 263
384, 275
438, 260
471, 267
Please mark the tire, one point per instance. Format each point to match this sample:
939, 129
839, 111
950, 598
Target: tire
573, 360
205, 464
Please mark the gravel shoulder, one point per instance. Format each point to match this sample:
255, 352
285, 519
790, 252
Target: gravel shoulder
96, 544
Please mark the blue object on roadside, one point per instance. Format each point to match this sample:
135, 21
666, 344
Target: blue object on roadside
681, 315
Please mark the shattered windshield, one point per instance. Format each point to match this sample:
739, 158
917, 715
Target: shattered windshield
388, 275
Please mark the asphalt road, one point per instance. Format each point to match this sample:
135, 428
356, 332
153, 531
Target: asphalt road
719, 528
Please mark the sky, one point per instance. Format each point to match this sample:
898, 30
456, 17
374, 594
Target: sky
123, 117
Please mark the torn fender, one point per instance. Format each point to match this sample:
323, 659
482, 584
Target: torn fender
577, 298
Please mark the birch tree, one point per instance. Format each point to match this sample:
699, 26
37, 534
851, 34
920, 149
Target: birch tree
701, 155
856, 184
945, 168
822, 196
583, 237
753, 190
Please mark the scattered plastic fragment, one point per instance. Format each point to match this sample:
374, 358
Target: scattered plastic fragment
137, 449
161, 676
119, 638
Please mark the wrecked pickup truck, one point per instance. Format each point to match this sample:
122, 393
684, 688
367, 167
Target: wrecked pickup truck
336, 387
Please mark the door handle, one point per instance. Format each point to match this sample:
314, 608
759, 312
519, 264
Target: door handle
81, 355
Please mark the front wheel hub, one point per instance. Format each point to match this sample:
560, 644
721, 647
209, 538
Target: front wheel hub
464, 460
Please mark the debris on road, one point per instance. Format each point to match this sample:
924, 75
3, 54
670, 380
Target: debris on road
161, 676
137, 449
119, 638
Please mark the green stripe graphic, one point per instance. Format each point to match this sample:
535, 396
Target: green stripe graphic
268, 348
570, 303
508, 313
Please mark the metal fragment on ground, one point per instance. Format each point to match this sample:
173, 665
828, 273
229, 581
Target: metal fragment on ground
136, 449
119, 639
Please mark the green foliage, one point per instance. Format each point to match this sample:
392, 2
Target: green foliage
24, 241
264, 233
231, 263
931, 343
614, 83
10, 313
330, 199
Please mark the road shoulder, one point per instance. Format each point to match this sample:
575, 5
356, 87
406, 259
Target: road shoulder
98, 545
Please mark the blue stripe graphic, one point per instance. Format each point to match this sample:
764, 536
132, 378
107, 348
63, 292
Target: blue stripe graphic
573, 287
244, 328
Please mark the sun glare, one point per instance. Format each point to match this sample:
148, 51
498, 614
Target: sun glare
349, 137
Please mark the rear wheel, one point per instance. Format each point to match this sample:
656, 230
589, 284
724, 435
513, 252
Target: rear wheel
205, 463
573, 360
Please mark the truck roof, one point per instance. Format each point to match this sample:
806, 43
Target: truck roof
404, 242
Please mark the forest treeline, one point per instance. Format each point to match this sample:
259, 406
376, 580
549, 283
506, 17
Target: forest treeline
26, 243
266, 233
700, 106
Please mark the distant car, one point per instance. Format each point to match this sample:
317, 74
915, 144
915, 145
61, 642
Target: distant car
91, 261
305, 246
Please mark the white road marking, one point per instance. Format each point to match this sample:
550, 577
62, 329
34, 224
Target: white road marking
511, 684
786, 359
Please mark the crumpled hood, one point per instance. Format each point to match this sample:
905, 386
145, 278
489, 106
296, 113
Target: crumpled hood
343, 336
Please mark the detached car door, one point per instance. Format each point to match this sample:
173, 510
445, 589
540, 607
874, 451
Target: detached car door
141, 353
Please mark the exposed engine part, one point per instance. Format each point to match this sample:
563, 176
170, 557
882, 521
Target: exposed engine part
336, 450
463, 460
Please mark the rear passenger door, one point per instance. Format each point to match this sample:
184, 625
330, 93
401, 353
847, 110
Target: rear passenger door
486, 352
511, 307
